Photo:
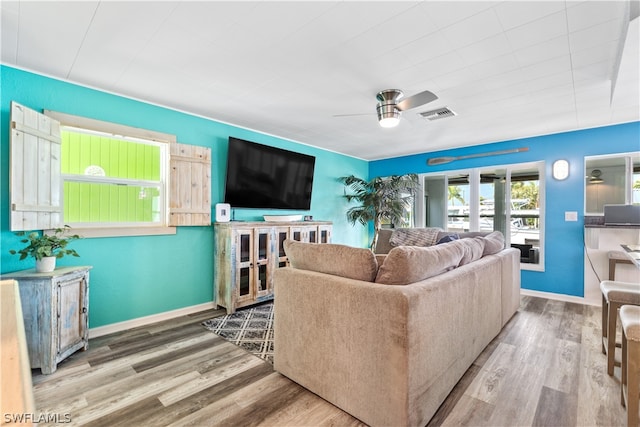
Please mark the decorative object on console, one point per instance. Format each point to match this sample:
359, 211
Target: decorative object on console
282, 218
382, 198
46, 248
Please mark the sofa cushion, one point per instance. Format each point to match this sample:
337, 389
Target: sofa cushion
493, 243
414, 236
410, 264
338, 260
473, 249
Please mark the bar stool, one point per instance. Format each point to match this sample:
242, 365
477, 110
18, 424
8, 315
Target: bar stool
630, 381
615, 258
614, 295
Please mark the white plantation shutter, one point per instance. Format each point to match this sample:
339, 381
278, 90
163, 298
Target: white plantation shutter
35, 183
190, 185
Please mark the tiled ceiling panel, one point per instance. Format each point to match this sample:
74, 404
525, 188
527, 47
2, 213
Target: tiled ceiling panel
310, 71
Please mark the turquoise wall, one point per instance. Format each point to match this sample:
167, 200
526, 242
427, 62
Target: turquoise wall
564, 258
140, 276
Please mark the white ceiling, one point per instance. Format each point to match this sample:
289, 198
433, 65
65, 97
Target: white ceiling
509, 69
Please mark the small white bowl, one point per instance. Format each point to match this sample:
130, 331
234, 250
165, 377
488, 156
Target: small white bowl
283, 218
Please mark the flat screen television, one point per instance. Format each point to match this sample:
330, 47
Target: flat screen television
260, 176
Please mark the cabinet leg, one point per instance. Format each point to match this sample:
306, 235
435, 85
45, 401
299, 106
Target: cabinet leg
50, 369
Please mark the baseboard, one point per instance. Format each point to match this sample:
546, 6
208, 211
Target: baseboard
141, 321
559, 297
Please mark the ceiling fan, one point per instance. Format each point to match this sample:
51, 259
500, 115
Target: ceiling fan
389, 106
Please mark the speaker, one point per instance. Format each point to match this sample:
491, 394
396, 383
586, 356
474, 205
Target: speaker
223, 212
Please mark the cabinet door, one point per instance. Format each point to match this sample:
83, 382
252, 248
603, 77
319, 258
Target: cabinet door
244, 266
305, 233
261, 267
312, 234
282, 234
72, 315
298, 234
324, 234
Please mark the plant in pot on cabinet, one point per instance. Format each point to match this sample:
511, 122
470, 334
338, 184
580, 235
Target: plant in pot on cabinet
46, 248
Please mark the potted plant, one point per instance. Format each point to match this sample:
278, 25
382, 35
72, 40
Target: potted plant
46, 248
382, 198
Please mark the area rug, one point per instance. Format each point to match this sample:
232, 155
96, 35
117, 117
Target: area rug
250, 328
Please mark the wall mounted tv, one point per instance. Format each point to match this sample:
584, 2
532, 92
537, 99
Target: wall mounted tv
260, 176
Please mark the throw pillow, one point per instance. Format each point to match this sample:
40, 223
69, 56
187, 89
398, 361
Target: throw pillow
338, 260
414, 236
473, 249
409, 264
448, 238
493, 243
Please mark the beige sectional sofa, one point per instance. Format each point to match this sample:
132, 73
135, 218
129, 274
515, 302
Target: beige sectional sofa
386, 338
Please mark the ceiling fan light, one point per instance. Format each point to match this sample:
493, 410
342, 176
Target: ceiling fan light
389, 122
388, 115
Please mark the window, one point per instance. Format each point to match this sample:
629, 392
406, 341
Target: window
508, 199
103, 178
111, 180
611, 180
458, 193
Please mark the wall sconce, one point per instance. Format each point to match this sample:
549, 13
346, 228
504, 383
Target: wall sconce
561, 169
595, 177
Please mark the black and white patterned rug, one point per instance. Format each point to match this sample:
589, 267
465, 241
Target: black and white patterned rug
250, 328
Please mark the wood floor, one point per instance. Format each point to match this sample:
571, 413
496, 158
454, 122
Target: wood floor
544, 369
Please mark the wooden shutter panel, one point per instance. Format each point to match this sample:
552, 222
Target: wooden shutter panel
35, 185
190, 182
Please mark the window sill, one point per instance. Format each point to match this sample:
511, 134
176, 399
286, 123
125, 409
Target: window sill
532, 267
121, 231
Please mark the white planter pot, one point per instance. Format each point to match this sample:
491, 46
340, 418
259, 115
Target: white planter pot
46, 264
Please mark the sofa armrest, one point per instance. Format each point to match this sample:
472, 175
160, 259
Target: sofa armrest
510, 262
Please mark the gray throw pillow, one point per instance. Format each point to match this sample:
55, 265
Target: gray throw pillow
409, 264
414, 236
493, 243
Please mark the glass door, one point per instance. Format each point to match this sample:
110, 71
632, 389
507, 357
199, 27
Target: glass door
262, 275
244, 266
282, 234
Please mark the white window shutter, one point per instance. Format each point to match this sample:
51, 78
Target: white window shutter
35, 185
190, 185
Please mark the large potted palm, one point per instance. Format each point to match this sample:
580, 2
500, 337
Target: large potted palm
380, 199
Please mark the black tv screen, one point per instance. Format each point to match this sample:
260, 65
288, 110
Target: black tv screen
260, 176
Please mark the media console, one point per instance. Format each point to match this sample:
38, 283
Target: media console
247, 253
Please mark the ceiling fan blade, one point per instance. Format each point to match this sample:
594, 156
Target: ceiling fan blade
353, 115
416, 100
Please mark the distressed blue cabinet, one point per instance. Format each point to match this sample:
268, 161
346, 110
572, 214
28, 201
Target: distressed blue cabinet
55, 307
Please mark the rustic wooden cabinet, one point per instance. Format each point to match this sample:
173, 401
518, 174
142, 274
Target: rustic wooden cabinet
55, 307
247, 253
